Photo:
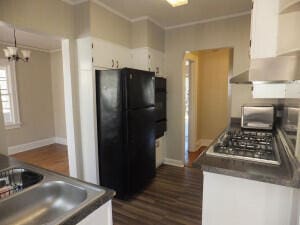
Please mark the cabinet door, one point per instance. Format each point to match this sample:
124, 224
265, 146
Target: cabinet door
103, 53
110, 55
264, 28
140, 58
122, 57
156, 62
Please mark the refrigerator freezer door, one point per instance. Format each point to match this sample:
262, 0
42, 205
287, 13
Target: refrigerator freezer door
141, 147
110, 130
140, 89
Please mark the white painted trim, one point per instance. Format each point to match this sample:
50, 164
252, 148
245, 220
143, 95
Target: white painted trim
204, 142
28, 47
55, 50
173, 162
153, 20
30, 145
36, 144
71, 114
147, 18
60, 140
74, 2
13, 126
208, 20
111, 10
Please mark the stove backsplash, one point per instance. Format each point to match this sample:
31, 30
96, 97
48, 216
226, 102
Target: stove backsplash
290, 123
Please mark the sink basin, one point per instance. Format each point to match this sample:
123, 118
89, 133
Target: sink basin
14, 180
42, 204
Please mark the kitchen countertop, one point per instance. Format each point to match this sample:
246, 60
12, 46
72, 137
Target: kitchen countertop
78, 215
285, 174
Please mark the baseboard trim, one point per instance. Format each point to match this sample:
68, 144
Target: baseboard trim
204, 142
60, 140
173, 162
35, 144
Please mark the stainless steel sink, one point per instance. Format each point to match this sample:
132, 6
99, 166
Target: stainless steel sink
42, 204
51, 200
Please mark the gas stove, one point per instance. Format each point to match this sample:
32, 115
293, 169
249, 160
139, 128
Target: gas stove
253, 145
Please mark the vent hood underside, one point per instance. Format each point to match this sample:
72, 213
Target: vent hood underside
272, 70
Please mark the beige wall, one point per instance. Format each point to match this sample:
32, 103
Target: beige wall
156, 37
58, 94
234, 32
212, 91
139, 34
82, 19
108, 26
145, 33
51, 17
35, 100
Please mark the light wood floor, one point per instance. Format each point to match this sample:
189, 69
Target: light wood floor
192, 156
52, 157
173, 198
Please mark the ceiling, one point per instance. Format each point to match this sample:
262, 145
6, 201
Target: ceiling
164, 14
27, 39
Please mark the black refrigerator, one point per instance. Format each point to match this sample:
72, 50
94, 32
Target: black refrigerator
126, 129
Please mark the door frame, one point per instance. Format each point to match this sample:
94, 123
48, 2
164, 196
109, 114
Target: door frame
194, 92
193, 99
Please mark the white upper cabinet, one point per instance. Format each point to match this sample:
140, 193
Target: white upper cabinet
264, 28
148, 59
289, 32
109, 55
157, 62
141, 59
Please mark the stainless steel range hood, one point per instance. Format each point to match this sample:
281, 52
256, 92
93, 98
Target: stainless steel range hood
280, 69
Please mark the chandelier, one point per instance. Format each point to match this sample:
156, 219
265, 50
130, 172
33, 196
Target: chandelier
11, 52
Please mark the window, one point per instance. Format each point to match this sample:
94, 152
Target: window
9, 97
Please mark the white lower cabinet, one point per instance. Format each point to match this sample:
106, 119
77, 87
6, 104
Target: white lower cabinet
160, 148
230, 200
102, 215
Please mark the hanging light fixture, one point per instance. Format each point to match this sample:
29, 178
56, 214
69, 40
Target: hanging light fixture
176, 3
11, 52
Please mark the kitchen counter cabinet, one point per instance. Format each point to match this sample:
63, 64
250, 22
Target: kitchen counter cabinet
242, 192
231, 200
104, 212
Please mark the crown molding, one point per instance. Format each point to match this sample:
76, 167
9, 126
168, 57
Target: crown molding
28, 47
142, 18
98, 2
111, 10
74, 2
55, 50
209, 20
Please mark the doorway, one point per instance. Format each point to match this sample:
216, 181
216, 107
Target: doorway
33, 103
206, 98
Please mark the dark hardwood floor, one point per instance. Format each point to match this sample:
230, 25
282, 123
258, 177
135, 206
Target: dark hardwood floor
174, 197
